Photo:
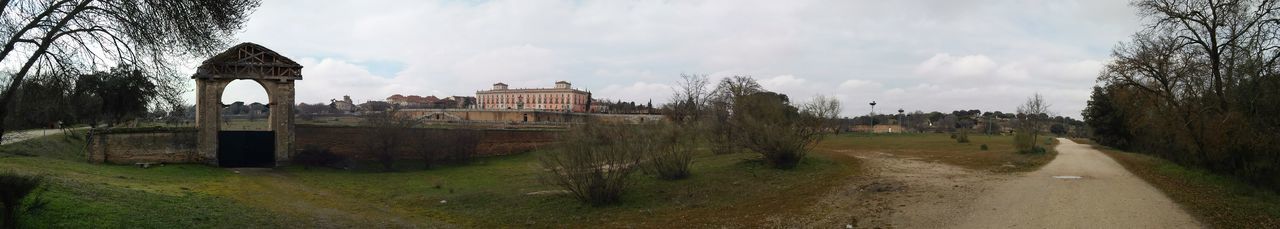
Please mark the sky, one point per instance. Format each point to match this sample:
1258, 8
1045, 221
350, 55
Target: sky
912, 55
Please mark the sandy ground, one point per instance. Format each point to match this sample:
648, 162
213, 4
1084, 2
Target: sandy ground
907, 193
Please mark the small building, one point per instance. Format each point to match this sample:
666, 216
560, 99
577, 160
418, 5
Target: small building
345, 105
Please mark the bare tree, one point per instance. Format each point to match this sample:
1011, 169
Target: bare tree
390, 131
1032, 117
722, 104
77, 36
826, 109
689, 100
1226, 33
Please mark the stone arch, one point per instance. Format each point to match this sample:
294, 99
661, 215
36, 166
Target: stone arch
438, 115
247, 61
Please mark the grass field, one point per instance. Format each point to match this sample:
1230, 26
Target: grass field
1000, 155
1218, 201
734, 190
730, 189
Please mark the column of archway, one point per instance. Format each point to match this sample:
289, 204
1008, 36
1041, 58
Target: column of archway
280, 93
208, 114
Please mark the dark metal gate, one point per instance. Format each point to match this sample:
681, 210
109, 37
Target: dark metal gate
247, 149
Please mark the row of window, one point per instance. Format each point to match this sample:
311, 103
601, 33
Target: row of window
533, 98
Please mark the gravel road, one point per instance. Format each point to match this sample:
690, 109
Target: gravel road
1082, 188
24, 135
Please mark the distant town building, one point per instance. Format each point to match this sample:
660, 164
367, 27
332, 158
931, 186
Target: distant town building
413, 101
458, 101
345, 105
562, 97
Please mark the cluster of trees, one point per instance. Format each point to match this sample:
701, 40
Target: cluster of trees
621, 107
62, 40
105, 97
1199, 87
989, 122
595, 160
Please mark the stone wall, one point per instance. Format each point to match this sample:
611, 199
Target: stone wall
178, 145
151, 145
529, 116
353, 142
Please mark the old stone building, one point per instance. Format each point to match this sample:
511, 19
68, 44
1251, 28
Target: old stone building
561, 98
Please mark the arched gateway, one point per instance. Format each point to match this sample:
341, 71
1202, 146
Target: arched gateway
276, 73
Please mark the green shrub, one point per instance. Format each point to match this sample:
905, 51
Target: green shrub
963, 137
1024, 143
983, 147
14, 189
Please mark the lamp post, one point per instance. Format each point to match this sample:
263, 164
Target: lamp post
900, 125
873, 116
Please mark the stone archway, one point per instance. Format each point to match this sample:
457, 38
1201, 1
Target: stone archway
246, 61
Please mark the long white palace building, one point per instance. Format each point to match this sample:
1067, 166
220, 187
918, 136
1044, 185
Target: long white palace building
560, 98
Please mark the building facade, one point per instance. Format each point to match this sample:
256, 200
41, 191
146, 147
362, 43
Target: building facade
561, 98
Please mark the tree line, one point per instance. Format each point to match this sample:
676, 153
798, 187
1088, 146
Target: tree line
1198, 86
54, 43
595, 161
105, 97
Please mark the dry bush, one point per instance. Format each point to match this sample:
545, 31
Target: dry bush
390, 131
447, 146
667, 150
767, 124
593, 162
963, 137
319, 157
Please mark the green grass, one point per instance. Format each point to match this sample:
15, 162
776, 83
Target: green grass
1216, 200
733, 189
495, 192
57, 146
1001, 155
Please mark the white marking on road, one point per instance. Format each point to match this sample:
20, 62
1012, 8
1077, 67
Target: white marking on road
1067, 177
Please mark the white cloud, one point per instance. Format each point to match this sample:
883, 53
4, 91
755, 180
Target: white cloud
925, 55
945, 65
638, 92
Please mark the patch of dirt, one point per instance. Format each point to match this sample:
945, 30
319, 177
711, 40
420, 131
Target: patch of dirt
901, 192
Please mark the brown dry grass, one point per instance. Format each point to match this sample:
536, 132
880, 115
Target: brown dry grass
999, 157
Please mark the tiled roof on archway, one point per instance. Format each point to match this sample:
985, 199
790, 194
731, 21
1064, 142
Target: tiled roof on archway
249, 61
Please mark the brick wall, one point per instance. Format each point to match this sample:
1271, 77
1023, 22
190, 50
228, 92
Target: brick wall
160, 145
353, 142
179, 145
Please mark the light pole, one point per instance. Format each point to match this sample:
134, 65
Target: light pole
873, 116
900, 116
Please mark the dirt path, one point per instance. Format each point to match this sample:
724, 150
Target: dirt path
902, 192
909, 193
24, 135
1104, 196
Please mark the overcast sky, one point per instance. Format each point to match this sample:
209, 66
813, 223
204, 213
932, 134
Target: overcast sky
915, 55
